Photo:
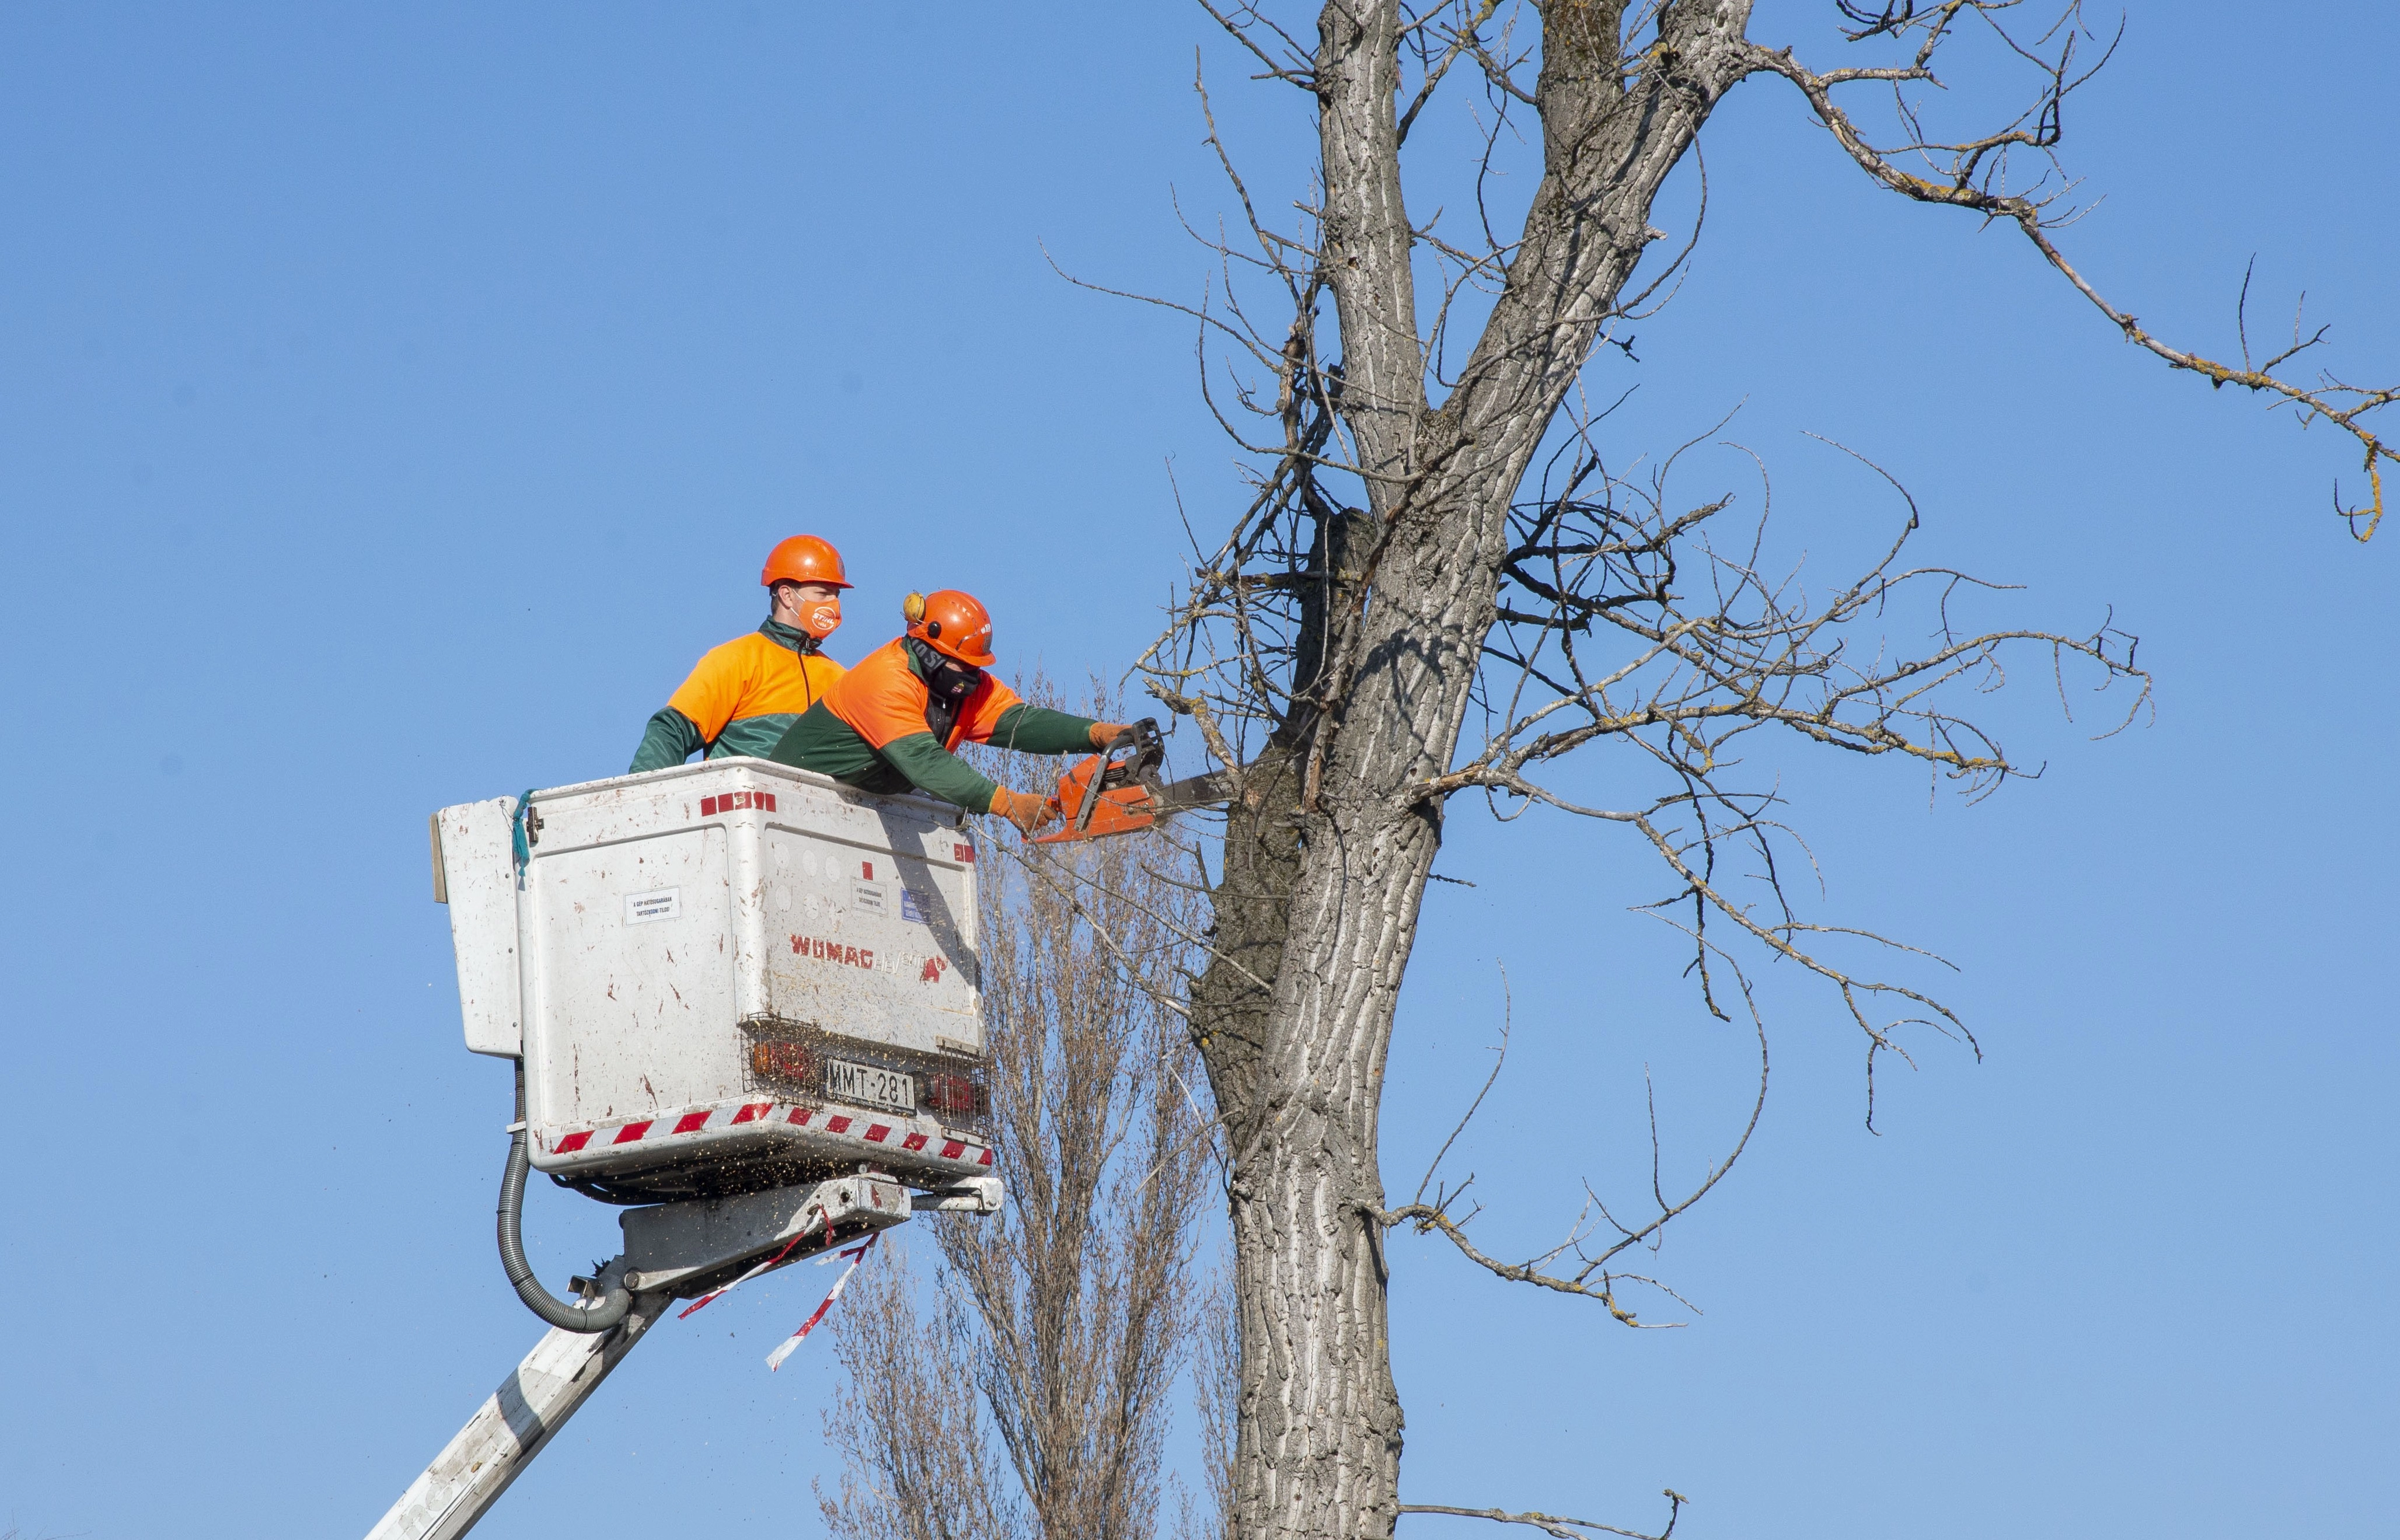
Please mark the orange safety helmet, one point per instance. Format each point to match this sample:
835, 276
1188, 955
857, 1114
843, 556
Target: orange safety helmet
953, 624
804, 559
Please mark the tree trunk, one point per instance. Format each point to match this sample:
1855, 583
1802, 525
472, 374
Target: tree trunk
1325, 866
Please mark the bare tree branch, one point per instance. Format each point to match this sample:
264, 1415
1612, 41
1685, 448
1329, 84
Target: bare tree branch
1560, 1528
1967, 180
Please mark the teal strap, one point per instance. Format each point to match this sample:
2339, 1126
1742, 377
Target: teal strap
520, 845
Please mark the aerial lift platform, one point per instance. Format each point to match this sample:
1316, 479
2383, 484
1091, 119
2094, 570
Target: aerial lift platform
742, 1002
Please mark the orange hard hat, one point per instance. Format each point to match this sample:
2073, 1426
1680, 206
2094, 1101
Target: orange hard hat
804, 559
951, 623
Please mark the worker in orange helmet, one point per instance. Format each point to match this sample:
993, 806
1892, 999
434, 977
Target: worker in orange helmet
743, 695
895, 721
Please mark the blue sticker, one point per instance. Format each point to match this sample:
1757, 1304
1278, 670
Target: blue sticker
912, 909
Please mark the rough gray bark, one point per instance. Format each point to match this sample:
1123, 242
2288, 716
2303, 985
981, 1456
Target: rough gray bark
1326, 867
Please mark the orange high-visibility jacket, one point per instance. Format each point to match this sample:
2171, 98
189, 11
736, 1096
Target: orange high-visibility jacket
740, 697
872, 732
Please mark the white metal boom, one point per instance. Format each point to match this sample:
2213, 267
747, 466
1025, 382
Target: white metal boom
675, 1251
512, 1425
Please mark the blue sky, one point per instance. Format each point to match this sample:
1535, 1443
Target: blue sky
395, 401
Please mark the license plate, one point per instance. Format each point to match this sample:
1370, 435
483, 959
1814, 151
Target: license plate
865, 1086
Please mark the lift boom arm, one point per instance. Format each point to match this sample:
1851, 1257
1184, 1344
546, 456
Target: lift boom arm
673, 1251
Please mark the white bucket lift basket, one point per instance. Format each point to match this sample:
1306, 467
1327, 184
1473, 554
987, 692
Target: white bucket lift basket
724, 977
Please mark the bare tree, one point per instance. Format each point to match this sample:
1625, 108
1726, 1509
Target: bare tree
1029, 1398
1216, 1397
1393, 582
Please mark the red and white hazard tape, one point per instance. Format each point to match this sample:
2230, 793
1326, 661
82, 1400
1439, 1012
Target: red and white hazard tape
856, 1253
825, 1222
863, 1128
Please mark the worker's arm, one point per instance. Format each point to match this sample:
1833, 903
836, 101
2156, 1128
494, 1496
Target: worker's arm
698, 709
669, 739
934, 770
1038, 729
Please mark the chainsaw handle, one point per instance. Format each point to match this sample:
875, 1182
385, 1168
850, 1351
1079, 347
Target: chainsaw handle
1141, 739
1136, 736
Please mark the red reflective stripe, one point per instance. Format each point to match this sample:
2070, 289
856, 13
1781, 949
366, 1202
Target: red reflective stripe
877, 1133
632, 1131
953, 1148
767, 800
799, 1116
914, 1141
573, 1142
866, 870
965, 854
708, 807
691, 1123
756, 1109
983, 1159
837, 1125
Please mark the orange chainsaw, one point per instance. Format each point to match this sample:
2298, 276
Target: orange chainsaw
1118, 790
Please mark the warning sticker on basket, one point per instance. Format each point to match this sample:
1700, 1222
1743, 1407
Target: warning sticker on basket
664, 904
914, 907
866, 897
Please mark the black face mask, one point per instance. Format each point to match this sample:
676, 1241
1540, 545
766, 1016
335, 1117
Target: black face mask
949, 683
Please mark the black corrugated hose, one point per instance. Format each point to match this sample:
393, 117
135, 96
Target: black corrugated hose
611, 1307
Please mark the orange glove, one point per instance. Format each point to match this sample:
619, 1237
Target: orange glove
1028, 812
1104, 733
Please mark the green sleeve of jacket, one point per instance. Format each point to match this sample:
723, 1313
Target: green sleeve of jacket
1038, 729
669, 739
936, 771
823, 743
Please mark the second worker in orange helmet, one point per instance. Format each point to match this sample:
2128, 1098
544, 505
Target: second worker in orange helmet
741, 697
894, 722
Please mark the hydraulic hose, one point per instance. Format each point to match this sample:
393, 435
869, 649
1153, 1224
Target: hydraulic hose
611, 1307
